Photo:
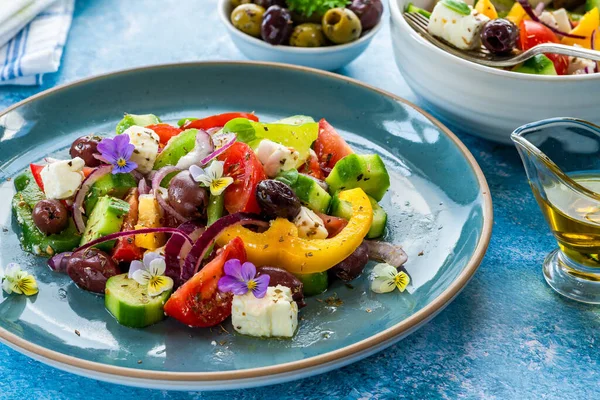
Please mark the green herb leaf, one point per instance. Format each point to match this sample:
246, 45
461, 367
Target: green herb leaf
288, 177
320, 7
184, 121
457, 5
242, 128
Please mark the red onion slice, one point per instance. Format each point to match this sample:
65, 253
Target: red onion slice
527, 7
218, 151
114, 236
156, 180
83, 191
206, 240
143, 186
58, 262
177, 249
386, 252
539, 9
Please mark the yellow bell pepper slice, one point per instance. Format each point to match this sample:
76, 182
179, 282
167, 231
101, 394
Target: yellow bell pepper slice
517, 14
486, 8
280, 246
588, 24
149, 215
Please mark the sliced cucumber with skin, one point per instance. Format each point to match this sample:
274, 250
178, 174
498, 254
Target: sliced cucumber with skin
106, 218
343, 209
116, 185
130, 120
177, 147
130, 304
311, 194
365, 171
314, 284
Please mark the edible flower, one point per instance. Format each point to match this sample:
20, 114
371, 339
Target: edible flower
18, 281
386, 278
241, 278
117, 152
212, 177
151, 272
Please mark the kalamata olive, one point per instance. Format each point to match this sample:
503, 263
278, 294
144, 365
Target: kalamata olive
248, 18
352, 266
186, 196
85, 147
277, 25
276, 199
268, 3
91, 268
50, 216
280, 276
341, 25
499, 36
368, 11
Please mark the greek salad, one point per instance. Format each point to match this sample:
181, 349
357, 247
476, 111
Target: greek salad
207, 219
504, 27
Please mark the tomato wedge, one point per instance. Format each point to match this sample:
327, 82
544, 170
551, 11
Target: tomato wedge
198, 302
334, 225
165, 131
533, 33
125, 250
312, 167
36, 171
330, 146
218, 121
246, 170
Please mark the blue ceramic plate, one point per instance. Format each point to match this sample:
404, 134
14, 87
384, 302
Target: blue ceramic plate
439, 208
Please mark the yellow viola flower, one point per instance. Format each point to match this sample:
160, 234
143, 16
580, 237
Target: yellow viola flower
151, 272
385, 278
18, 281
212, 177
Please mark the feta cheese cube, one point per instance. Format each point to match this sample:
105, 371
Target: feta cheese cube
562, 20
62, 178
310, 225
275, 315
549, 19
276, 157
460, 30
146, 147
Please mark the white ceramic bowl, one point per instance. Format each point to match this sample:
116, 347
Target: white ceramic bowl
484, 101
328, 58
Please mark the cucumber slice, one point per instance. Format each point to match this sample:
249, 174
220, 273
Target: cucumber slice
311, 194
176, 148
130, 120
366, 171
106, 218
314, 284
130, 304
115, 185
343, 209
412, 8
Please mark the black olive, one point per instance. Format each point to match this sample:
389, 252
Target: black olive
352, 266
279, 276
50, 216
91, 268
499, 36
187, 197
85, 147
276, 199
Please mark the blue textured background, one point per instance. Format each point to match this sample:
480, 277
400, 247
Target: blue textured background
506, 336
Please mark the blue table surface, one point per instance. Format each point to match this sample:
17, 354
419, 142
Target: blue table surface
507, 335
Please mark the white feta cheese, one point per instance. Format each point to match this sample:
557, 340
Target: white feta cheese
549, 19
276, 157
275, 315
562, 20
578, 65
62, 178
462, 31
146, 147
310, 225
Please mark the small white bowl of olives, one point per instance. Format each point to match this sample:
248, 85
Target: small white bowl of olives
301, 32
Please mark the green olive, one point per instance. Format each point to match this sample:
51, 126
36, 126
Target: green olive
308, 35
248, 18
341, 25
235, 3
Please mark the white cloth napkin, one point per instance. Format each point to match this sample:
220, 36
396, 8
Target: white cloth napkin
32, 37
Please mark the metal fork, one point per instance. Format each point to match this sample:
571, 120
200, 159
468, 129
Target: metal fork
482, 55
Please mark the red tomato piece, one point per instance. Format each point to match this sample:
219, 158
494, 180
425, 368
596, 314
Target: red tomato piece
165, 131
330, 146
126, 250
198, 302
312, 167
533, 33
218, 121
36, 171
87, 171
334, 225
246, 170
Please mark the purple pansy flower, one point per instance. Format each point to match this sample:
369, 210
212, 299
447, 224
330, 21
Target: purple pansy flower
241, 278
117, 152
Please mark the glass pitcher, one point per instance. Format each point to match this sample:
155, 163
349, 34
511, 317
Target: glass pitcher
562, 161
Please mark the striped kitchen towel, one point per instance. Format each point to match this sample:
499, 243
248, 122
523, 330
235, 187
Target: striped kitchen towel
32, 37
